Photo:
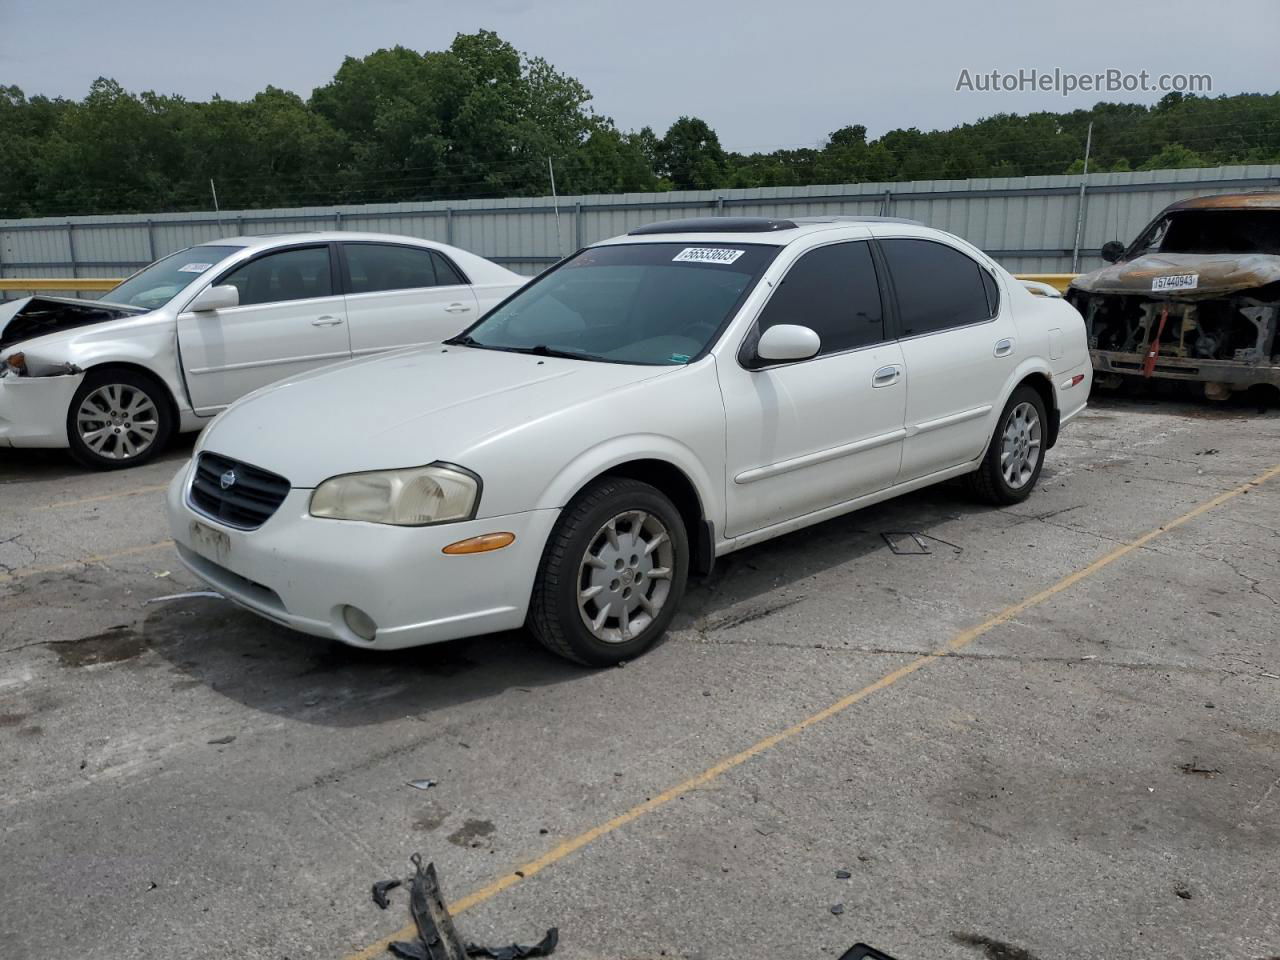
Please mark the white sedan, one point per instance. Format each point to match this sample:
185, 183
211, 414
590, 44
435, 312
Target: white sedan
178, 341
651, 403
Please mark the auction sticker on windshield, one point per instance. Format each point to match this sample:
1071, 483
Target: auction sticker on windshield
1177, 281
194, 267
707, 255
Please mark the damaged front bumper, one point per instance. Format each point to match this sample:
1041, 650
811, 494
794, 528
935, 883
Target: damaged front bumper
1234, 373
33, 410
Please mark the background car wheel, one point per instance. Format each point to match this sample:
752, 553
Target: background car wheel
612, 574
1015, 455
117, 419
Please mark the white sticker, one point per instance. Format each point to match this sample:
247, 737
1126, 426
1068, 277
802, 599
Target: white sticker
194, 267
1177, 281
707, 255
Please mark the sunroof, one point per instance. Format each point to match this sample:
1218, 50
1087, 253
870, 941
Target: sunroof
714, 225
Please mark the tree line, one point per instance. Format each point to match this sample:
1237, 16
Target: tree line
481, 119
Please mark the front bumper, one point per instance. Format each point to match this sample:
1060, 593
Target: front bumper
300, 571
33, 410
1238, 374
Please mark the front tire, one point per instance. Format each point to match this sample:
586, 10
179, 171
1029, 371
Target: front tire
118, 419
612, 574
1015, 455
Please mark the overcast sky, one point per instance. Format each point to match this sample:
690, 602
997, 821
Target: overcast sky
763, 74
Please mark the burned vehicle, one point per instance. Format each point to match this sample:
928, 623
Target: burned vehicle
1194, 297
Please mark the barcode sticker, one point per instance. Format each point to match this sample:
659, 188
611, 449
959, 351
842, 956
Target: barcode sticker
194, 267
707, 255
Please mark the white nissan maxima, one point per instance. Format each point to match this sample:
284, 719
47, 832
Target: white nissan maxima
172, 345
653, 402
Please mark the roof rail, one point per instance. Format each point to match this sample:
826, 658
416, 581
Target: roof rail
854, 218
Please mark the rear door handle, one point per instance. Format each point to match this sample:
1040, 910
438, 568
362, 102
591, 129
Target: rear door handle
457, 308
328, 320
1004, 347
886, 376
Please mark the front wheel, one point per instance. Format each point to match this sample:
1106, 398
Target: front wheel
118, 419
1015, 455
612, 574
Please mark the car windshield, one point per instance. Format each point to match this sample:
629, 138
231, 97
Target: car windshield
645, 303
157, 284
1214, 231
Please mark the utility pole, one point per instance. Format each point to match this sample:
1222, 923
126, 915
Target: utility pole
1075, 251
216, 212
555, 204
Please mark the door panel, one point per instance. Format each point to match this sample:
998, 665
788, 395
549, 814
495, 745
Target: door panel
805, 436
289, 321
959, 346
808, 435
400, 296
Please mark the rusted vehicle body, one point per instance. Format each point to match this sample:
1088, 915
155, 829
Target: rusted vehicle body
1195, 297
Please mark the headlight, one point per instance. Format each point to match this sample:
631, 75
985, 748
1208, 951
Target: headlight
413, 497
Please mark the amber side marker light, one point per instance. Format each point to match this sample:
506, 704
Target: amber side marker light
481, 544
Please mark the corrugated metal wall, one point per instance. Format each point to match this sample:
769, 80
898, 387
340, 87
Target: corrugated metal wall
1028, 223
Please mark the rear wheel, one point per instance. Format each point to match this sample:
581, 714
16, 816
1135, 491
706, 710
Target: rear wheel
612, 574
118, 419
1015, 455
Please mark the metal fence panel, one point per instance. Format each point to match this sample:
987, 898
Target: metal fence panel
1028, 223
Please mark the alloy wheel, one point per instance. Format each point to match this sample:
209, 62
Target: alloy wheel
118, 421
1020, 449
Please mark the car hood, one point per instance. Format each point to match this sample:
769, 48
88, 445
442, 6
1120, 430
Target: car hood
34, 317
407, 408
1217, 274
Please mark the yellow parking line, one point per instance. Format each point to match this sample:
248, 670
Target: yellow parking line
960, 640
22, 572
139, 491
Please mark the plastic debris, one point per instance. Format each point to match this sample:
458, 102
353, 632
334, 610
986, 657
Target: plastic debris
860, 951
380, 892
437, 938
212, 594
908, 543
422, 784
837, 909
843, 874
220, 741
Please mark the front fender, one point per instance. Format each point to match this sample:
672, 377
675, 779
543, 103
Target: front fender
616, 451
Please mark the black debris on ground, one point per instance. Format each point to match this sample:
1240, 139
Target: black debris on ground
380, 892
437, 937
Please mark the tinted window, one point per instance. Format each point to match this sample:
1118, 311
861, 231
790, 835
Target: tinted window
376, 266
446, 273
287, 275
993, 292
833, 291
937, 286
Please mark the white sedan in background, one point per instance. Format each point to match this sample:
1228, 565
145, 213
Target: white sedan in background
653, 402
181, 339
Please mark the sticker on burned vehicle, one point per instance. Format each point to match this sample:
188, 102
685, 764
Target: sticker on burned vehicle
1177, 281
194, 267
707, 255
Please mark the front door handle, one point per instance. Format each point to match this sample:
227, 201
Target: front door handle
1004, 347
886, 376
457, 308
328, 320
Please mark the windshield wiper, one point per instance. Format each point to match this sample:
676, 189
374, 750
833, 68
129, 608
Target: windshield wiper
464, 340
542, 350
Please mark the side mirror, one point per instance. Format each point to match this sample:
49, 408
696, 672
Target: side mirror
787, 341
215, 298
1112, 251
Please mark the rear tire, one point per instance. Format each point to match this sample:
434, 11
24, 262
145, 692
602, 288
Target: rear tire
118, 419
1015, 455
612, 574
